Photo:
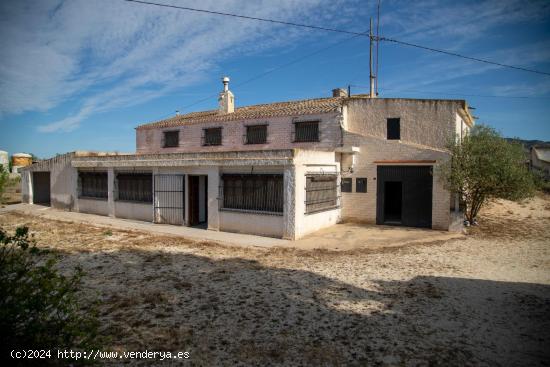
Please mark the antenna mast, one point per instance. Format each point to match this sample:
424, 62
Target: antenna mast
371, 76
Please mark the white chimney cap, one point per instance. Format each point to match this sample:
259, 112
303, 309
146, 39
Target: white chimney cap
225, 79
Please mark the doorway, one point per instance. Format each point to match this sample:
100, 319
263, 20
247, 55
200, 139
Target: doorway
41, 188
393, 202
197, 201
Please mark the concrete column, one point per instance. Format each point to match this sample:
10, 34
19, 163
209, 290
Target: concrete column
74, 190
111, 191
213, 203
289, 206
155, 199
26, 180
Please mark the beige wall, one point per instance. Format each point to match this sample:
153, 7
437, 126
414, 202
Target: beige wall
259, 224
279, 135
137, 211
426, 122
93, 206
362, 206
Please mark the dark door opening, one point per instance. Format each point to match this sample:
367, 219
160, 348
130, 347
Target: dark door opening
404, 195
197, 201
393, 202
41, 188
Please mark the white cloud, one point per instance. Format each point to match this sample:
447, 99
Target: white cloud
106, 54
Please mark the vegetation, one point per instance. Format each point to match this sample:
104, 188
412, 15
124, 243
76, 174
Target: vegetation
485, 166
4, 179
39, 307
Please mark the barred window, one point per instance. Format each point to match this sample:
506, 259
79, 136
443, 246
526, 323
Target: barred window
256, 134
255, 192
212, 136
171, 139
346, 184
306, 131
321, 193
360, 185
135, 187
93, 184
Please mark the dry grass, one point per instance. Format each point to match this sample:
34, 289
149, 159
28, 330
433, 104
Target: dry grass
482, 300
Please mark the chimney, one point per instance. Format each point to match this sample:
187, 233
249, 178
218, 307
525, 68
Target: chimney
339, 92
226, 100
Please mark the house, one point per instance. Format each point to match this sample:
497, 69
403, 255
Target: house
540, 160
281, 169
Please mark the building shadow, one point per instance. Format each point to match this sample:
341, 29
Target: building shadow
234, 311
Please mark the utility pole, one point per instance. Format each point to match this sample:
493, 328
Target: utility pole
371, 76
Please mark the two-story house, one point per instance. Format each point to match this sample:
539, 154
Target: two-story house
281, 169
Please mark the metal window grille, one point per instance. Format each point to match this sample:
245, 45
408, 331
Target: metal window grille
135, 187
394, 130
321, 192
360, 185
93, 184
345, 185
171, 139
256, 134
306, 131
212, 136
253, 192
169, 203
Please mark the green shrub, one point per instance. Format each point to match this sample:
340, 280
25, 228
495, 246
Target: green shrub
4, 179
39, 307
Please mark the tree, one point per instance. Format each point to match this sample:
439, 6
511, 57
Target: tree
4, 179
40, 308
484, 166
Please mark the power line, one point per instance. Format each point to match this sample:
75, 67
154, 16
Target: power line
363, 34
451, 93
248, 17
462, 56
282, 66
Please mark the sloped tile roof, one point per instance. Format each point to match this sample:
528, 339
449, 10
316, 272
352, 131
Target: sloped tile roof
291, 108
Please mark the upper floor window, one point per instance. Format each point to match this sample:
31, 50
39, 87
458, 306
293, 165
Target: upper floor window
256, 134
171, 139
306, 131
394, 129
212, 136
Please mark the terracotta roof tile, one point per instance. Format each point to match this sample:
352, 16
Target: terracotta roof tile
291, 108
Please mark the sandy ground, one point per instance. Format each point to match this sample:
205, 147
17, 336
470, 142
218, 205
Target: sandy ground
481, 300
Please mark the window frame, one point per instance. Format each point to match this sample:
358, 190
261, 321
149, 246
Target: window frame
311, 202
232, 193
165, 140
247, 139
358, 186
307, 139
145, 197
205, 131
99, 192
393, 132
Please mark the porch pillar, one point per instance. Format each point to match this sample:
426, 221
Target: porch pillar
111, 191
289, 205
213, 198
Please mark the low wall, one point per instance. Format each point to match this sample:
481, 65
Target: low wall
251, 223
133, 210
93, 206
313, 222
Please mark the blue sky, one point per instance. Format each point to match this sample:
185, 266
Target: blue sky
81, 74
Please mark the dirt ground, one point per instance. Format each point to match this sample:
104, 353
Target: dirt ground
480, 300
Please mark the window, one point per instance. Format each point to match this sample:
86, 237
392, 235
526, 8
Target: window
346, 185
321, 192
394, 129
135, 187
171, 139
93, 184
360, 185
306, 131
255, 192
256, 134
212, 136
